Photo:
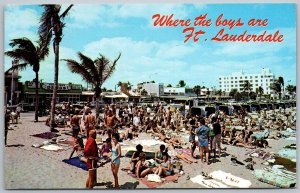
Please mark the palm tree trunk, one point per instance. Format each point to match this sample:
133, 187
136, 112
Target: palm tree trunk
55, 86
36, 97
98, 97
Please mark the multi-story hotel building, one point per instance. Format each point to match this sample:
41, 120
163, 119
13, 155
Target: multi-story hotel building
237, 80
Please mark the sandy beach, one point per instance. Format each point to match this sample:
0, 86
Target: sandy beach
27, 167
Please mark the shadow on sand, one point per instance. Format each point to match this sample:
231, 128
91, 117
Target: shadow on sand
127, 185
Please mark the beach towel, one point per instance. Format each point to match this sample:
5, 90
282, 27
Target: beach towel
68, 142
152, 184
148, 142
208, 183
51, 147
288, 153
275, 178
46, 135
230, 180
75, 161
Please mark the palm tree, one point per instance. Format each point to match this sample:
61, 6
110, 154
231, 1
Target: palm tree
31, 55
233, 92
197, 90
181, 83
51, 25
259, 91
276, 87
119, 84
169, 85
281, 82
291, 89
247, 87
95, 72
129, 85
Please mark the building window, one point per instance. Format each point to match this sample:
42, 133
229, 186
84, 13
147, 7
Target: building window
250, 77
245, 77
235, 77
256, 80
256, 76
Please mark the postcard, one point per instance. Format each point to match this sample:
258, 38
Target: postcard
150, 96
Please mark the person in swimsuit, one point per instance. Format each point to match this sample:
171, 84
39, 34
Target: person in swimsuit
111, 120
115, 159
192, 136
90, 121
135, 157
105, 150
158, 155
165, 169
75, 124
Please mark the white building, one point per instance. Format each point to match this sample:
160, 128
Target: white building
153, 89
237, 80
174, 91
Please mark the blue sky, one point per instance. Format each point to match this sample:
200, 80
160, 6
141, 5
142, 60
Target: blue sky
152, 53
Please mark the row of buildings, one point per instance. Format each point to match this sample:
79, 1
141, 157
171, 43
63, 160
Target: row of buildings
16, 91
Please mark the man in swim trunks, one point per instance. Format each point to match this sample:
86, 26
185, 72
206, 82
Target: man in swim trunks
91, 153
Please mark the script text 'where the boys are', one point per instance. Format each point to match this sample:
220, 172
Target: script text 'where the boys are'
223, 35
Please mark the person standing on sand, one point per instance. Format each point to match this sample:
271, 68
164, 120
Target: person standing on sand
110, 120
75, 124
91, 153
216, 142
90, 122
203, 132
115, 159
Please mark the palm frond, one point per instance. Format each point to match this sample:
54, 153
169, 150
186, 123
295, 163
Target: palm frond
78, 68
42, 48
111, 69
23, 43
66, 12
88, 63
47, 21
22, 66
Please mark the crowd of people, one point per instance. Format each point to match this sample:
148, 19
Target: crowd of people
206, 134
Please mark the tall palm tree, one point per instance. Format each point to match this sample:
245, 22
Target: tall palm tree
95, 72
31, 55
51, 24
197, 90
281, 82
